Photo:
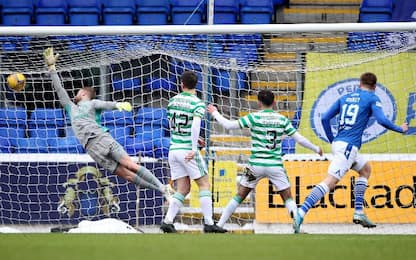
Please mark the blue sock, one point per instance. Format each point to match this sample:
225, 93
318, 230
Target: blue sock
316, 194
360, 187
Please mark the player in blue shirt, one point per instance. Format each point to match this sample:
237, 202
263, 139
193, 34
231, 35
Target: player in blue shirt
355, 109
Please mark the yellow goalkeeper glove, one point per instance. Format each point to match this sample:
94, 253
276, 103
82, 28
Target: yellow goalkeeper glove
126, 106
50, 59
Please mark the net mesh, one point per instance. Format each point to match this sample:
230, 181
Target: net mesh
47, 178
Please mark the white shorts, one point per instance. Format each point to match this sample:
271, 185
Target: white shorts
179, 168
345, 157
276, 175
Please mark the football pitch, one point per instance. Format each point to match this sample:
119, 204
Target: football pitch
200, 246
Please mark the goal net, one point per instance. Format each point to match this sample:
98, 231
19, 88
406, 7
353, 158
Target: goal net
47, 179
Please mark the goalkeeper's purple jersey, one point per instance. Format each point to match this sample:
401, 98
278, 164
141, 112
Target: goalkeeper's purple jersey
85, 116
355, 110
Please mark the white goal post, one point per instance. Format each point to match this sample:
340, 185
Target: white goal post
46, 178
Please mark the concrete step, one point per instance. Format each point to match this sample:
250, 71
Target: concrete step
279, 97
325, 2
318, 14
275, 85
278, 57
307, 42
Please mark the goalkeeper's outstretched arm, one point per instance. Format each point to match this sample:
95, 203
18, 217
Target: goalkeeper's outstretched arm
50, 60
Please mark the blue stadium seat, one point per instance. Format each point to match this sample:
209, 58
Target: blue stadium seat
152, 12
115, 117
32, 145
84, 12
156, 83
376, 11
105, 44
118, 12
222, 81
69, 144
51, 12
364, 41
288, 145
9, 137
152, 116
225, 11
256, 12
404, 11
119, 124
161, 147
7, 145
187, 11
139, 144
17, 12
13, 117
126, 84
46, 123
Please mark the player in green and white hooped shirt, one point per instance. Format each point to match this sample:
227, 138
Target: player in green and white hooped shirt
185, 112
267, 129
84, 112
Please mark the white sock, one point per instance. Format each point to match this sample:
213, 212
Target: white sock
291, 207
229, 210
174, 206
205, 199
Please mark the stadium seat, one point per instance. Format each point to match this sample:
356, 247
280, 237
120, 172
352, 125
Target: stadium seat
51, 12
139, 145
223, 83
376, 11
119, 124
404, 11
256, 12
152, 116
364, 41
32, 145
225, 11
288, 145
84, 12
13, 117
17, 12
9, 137
6, 145
126, 84
187, 11
244, 54
156, 83
69, 144
46, 123
152, 12
161, 147
118, 12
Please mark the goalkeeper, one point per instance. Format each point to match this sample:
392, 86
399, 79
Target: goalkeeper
96, 140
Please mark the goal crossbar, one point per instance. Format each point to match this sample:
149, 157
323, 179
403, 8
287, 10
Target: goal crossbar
207, 29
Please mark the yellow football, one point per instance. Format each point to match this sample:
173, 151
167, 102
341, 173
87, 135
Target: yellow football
16, 81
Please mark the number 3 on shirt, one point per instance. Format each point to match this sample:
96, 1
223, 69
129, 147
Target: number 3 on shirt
349, 114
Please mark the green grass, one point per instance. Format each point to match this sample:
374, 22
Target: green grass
200, 246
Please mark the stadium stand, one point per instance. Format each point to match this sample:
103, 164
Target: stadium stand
51, 12
152, 12
404, 11
84, 12
226, 11
17, 12
376, 11
256, 11
118, 12
187, 11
